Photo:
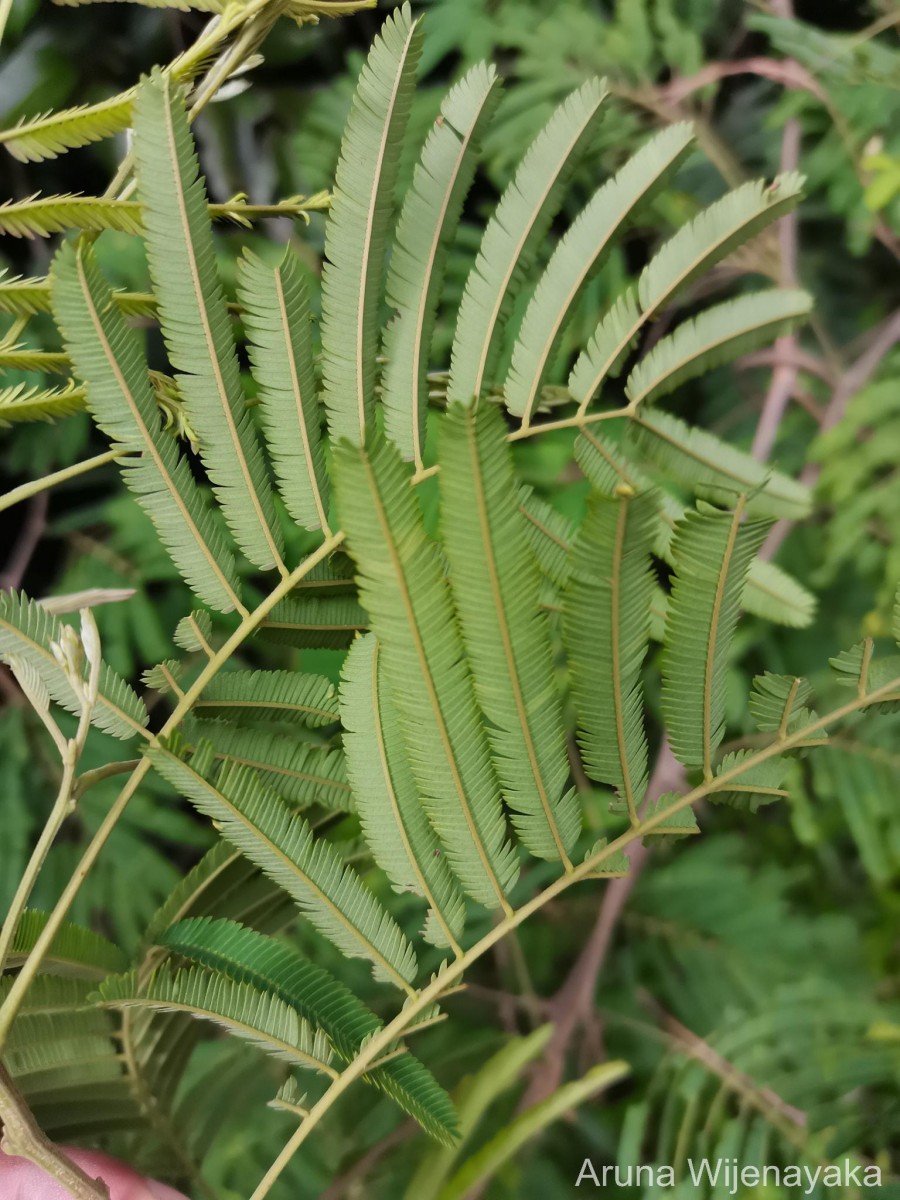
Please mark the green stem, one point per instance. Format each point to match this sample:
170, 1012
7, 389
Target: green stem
62, 807
27, 490
24, 979
453, 970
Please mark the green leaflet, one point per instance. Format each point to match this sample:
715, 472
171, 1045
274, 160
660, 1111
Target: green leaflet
249, 696
549, 534
49, 134
496, 587
41, 216
606, 625
193, 632
280, 970
425, 229
265, 1021
714, 469
22, 297
712, 552
316, 619
718, 335
26, 632
301, 772
402, 585
774, 595
580, 251
258, 822
609, 345
754, 787
359, 221
73, 951
277, 321
514, 234
194, 318
107, 355
394, 823
693, 249
20, 403
778, 704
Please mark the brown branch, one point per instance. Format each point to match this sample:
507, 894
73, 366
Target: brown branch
572, 1004
26, 543
763, 1099
784, 377
788, 73
885, 337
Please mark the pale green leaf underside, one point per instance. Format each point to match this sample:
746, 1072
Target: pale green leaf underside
359, 223
249, 696
107, 355
394, 823
513, 236
277, 321
606, 623
718, 335
402, 585
581, 250
194, 318
712, 552
427, 223
715, 469
692, 250
302, 772
496, 588
769, 592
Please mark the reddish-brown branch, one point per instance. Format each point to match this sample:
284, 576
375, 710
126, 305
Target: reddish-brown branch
571, 1006
886, 336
